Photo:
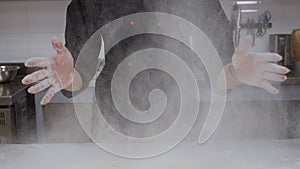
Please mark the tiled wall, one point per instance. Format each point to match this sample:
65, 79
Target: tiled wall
26, 28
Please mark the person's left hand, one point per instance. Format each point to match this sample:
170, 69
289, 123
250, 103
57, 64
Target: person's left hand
257, 69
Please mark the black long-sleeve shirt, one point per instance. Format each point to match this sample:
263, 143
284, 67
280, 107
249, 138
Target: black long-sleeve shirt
85, 17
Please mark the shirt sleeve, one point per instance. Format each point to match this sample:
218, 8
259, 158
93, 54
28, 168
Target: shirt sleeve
217, 27
78, 30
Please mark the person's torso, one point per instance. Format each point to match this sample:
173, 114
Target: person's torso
207, 15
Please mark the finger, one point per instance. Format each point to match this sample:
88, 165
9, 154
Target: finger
36, 76
269, 57
48, 96
274, 77
57, 45
268, 87
275, 68
245, 46
40, 86
38, 62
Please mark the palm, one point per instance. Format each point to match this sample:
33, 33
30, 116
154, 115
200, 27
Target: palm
61, 68
257, 69
56, 73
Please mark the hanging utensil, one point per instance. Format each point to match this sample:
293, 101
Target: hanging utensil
263, 21
266, 20
260, 32
236, 23
253, 31
248, 26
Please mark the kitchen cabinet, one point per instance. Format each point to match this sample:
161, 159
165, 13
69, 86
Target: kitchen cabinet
17, 121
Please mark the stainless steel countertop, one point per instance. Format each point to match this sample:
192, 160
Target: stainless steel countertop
10, 92
221, 154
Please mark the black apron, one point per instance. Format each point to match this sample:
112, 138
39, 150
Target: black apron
85, 17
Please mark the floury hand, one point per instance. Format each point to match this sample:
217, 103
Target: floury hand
257, 69
57, 72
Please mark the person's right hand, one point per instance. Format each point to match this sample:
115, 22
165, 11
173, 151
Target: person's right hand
57, 72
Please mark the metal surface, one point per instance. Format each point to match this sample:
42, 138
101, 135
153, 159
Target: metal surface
7, 127
292, 79
253, 31
10, 92
264, 18
236, 21
40, 118
280, 43
296, 44
17, 112
251, 26
8, 73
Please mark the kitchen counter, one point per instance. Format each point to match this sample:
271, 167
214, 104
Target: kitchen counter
255, 154
10, 92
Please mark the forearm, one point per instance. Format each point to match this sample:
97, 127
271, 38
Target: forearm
76, 83
229, 75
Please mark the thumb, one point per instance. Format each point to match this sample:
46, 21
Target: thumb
57, 45
246, 45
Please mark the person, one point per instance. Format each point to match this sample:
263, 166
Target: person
84, 17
